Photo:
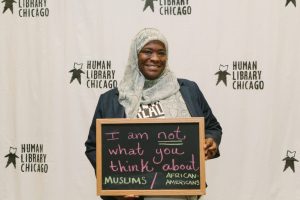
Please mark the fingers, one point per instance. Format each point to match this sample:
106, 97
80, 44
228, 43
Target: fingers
210, 155
131, 197
208, 143
210, 148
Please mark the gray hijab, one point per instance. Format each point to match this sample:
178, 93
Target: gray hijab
134, 89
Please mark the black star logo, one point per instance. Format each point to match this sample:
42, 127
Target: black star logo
149, 3
290, 160
76, 73
288, 1
11, 157
222, 74
8, 5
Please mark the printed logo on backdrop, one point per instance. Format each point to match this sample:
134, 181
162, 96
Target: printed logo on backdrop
11, 157
289, 1
32, 158
168, 7
27, 8
290, 160
8, 4
149, 3
222, 74
94, 74
76, 72
245, 75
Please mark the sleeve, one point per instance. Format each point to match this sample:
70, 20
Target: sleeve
212, 127
90, 144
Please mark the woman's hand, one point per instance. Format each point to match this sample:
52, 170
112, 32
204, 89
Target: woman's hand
210, 148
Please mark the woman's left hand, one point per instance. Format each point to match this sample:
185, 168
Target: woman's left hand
210, 148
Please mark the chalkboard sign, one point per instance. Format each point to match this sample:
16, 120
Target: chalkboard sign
150, 156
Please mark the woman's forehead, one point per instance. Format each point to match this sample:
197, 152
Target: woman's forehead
147, 36
157, 42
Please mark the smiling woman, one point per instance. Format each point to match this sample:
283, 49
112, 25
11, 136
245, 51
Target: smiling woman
149, 89
152, 59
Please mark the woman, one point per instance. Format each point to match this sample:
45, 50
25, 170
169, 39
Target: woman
149, 84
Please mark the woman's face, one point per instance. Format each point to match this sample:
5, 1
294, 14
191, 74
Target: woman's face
152, 59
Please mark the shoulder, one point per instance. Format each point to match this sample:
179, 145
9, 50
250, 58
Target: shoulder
190, 87
187, 83
110, 93
109, 96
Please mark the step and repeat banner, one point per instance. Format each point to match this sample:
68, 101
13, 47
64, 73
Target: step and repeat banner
57, 57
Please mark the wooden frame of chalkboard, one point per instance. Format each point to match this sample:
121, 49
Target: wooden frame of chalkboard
150, 157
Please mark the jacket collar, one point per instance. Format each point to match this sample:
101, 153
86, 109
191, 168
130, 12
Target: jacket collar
186, 95
119, 110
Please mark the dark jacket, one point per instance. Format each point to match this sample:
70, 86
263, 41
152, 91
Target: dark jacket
109, 107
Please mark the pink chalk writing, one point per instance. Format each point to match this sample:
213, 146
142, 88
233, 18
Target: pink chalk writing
126, 151
112, 136
161, 152
175, 135
153, 181
176, 167
143, 166
138, 136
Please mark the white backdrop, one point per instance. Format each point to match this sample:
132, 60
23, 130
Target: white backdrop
40, 108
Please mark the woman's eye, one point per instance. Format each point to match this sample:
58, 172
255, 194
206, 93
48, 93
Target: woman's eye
162, 53
148, 52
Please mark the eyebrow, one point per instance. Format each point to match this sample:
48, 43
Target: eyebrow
149, 48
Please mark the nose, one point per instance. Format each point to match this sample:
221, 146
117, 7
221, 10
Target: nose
154, 57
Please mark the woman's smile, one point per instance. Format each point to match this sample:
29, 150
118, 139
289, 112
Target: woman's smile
152, 59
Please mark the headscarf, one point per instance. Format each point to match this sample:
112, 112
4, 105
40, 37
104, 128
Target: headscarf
134, 89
